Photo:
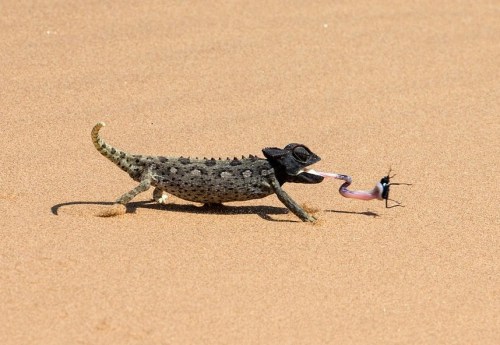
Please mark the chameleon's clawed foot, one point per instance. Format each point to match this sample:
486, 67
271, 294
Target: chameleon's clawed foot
309, 213
311, 219
113, 211
307, 217
160, 196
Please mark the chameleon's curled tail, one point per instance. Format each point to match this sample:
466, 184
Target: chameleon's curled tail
96, 139
113, 154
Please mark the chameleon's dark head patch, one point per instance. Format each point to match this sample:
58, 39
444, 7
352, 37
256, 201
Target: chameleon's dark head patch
288, 163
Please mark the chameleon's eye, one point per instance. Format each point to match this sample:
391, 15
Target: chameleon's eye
301, 154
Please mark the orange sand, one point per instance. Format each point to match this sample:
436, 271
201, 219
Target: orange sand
367, 86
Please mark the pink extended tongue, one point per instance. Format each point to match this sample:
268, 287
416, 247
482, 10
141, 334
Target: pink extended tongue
332, 175
319, 173
380, 191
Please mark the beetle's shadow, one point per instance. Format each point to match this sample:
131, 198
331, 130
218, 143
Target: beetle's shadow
264, 212
365, 213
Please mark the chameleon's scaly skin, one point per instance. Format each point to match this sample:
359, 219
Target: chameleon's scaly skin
213, 181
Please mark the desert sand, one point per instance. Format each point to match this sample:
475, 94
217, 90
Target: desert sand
367, 85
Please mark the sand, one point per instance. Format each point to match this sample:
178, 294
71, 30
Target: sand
366, 85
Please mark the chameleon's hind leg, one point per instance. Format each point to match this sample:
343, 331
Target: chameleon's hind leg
160, 196
119, 207
142, 187
290, 203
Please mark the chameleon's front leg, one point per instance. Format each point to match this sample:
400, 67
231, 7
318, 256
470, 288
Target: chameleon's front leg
290, 203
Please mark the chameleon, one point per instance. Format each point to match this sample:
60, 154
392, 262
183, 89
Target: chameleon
215, 181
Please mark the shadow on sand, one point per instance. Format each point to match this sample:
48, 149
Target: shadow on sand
263, 212
366, 213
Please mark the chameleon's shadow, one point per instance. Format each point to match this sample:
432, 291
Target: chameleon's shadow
264, 212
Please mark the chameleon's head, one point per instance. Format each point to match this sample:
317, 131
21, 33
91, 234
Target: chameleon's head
289, 163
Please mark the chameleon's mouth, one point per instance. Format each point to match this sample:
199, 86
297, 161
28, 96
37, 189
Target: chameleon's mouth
306, 175
309, 171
